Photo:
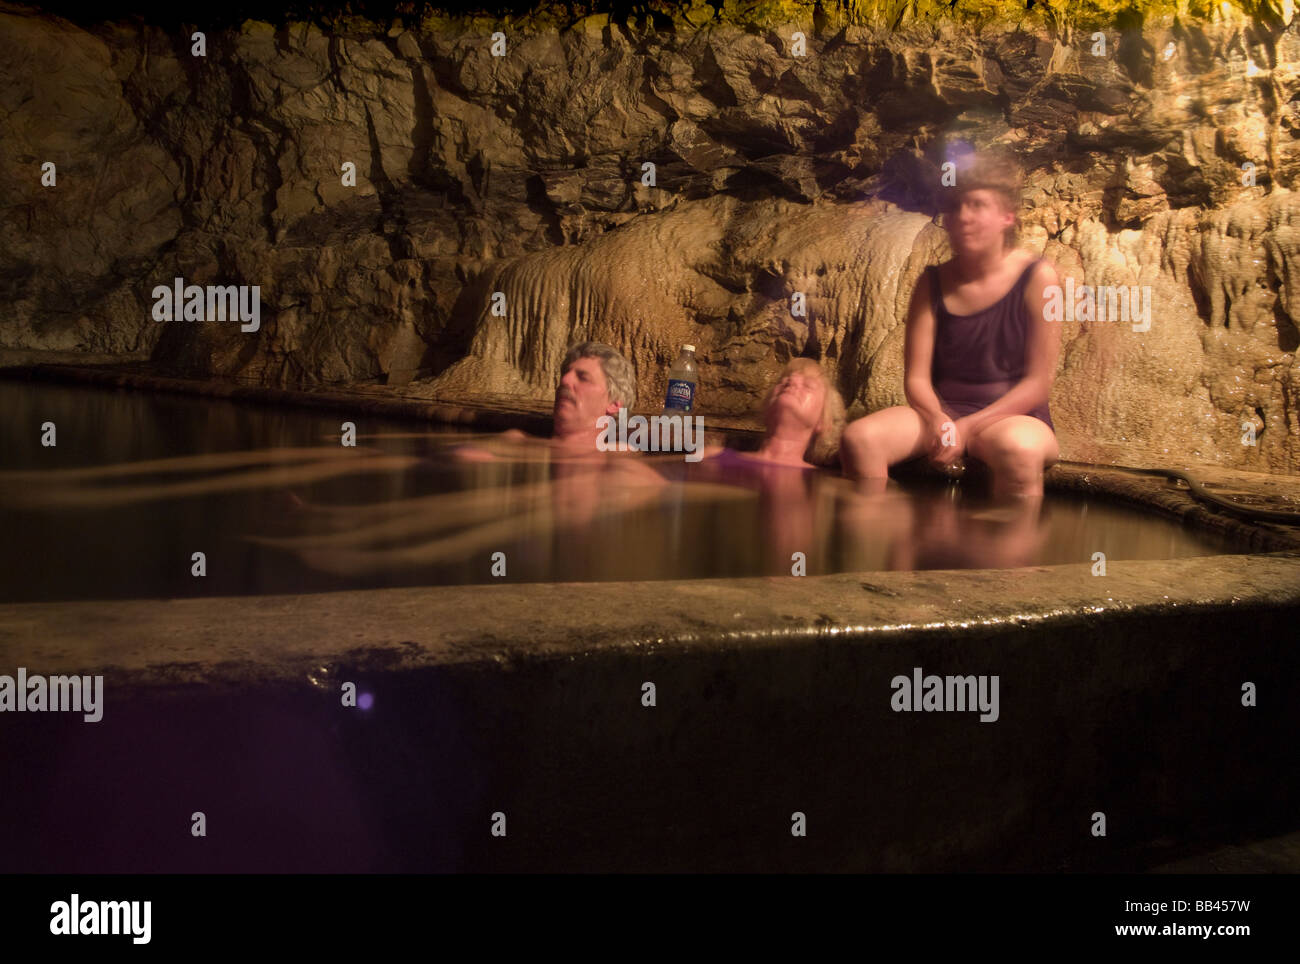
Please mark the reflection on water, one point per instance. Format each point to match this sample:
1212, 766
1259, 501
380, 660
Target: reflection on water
139, 483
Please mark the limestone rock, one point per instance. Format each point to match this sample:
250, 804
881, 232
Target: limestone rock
673, 175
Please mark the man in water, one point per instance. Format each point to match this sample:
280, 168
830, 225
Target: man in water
504, 506
595, 380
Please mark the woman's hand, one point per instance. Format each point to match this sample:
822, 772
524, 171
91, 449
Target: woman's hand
945, 429
964, 430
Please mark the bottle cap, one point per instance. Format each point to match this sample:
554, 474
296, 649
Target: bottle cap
689, 347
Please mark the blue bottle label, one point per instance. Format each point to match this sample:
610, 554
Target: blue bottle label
681, 395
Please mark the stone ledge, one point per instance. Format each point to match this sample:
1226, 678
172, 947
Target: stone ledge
306, 637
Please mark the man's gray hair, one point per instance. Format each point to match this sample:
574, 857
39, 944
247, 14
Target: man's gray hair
620, 379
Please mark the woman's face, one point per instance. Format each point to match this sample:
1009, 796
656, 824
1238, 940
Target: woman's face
978, 222
799, 395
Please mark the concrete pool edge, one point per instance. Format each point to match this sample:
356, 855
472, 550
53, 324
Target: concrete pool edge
307, 638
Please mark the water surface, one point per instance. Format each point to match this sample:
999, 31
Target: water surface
139, 482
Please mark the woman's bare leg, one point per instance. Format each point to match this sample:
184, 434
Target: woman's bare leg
884, 438
1016, 449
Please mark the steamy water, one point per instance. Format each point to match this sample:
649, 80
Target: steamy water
138, 483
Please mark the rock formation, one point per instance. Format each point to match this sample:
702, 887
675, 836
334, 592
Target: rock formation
794, 148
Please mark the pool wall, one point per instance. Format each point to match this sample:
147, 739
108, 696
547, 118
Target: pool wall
1119, 695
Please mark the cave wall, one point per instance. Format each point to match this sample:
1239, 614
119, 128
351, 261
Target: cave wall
774, 173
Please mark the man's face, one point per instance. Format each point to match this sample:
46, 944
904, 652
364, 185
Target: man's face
799, 397
978, 220
582, 397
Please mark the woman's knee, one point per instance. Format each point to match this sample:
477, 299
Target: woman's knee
867, 447
1022, 446
857, 434
857, 447
878, 433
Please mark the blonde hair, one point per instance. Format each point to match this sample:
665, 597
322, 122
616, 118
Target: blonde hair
824, 445
996, 172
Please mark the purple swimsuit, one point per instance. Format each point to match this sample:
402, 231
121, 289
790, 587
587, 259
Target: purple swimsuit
979, 358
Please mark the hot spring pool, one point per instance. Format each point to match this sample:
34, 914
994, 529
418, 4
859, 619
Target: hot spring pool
137, 484
524, 694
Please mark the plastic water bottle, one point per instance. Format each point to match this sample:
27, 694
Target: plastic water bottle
681, 383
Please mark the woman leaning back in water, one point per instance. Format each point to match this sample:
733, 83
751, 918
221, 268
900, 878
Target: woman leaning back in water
979, 358
803, 416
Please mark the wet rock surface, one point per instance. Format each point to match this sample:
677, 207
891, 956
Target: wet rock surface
774, 173
298, 638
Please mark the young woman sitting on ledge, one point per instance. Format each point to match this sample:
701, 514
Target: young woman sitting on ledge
979, 358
